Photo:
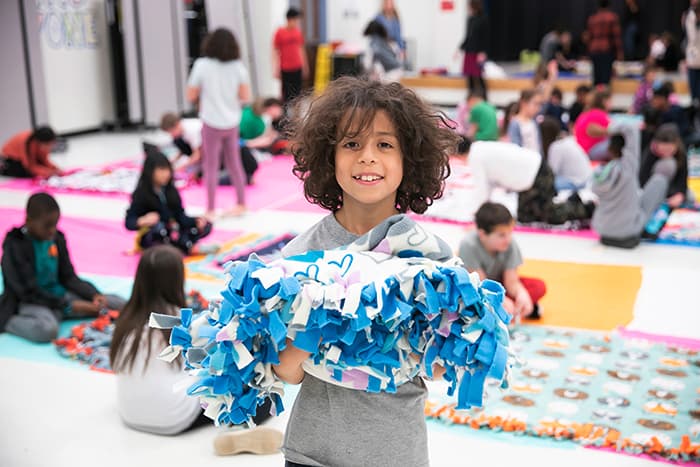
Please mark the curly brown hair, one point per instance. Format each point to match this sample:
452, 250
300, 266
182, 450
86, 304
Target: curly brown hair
346, 109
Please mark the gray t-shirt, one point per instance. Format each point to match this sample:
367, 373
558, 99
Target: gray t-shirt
476, 257
333, 426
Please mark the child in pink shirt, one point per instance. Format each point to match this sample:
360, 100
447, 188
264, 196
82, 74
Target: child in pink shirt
591, 127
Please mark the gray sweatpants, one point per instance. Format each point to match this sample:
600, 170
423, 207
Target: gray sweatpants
39, 323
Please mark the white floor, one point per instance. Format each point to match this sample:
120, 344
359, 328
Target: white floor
53, 415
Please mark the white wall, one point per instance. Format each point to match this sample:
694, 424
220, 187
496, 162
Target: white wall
14, 92
434, 34
260, 19
75, 51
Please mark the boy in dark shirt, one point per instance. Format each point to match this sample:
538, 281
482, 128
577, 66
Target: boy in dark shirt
40, 285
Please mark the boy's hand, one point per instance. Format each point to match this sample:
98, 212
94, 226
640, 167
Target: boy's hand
99, 301
83, 308
675, 200
523, 304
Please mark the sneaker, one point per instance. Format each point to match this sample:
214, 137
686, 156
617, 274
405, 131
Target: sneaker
258, 440
536, 312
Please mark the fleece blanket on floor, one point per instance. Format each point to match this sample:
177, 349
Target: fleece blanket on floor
631, 393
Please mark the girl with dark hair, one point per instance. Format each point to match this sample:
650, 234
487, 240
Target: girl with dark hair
381, 53
476, 46
145, 397
220, 83
156, 210
667, 143
367, 152
26, 154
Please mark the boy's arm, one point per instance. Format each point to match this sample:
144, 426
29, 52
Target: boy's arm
289, 369
22, 281
518, 292
66, 273
631, 152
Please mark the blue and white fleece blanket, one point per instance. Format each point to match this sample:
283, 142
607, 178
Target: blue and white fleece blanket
374, 314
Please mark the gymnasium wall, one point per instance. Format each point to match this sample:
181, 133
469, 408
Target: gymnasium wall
75, 51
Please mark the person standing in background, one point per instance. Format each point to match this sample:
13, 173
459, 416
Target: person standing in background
221, 84
475, 46
289, 58
604, 41
692, 50
630, 22
389, 18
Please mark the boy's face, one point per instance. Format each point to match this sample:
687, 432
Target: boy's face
369, 167
43, 227
274, 112
176, 131
498, 240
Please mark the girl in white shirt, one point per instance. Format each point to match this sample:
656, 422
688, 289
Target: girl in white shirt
219, 82
151, 393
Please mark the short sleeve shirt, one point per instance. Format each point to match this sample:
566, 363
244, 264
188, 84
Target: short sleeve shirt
484, 115
475, 257
219, 83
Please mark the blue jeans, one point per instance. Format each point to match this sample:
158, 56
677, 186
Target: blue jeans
563, 183
694, 84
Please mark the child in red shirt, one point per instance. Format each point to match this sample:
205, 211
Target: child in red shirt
290, 63
26, 154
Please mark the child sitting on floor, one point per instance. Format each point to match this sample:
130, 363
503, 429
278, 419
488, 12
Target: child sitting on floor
623, 208
187, 138
145, 397
491, 251
156, 210
40, 284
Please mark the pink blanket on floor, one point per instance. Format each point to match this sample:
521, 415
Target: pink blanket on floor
98, 246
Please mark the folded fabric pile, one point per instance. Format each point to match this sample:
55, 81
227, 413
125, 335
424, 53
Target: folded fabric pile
372, 320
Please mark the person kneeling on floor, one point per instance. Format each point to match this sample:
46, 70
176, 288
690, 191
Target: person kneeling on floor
491, 251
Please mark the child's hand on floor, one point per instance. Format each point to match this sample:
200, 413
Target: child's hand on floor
523, 304
99, 301
83, 308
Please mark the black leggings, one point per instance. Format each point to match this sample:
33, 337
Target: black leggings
13, 168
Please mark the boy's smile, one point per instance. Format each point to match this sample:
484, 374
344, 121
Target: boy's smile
369, 167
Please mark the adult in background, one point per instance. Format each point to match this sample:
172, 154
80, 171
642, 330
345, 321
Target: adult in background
220, 82
630, 23
604, 41
692, 50
475, 46
289, 58
26, 154
389, 18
